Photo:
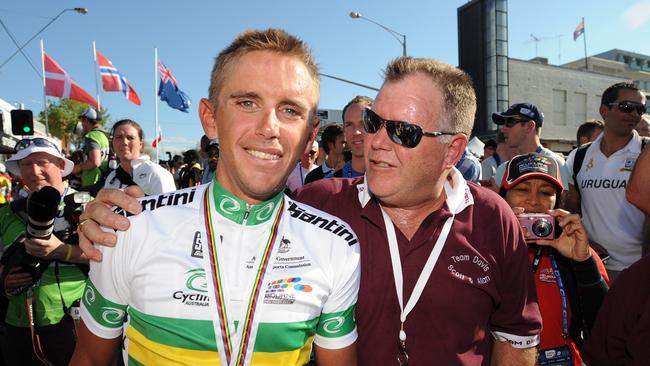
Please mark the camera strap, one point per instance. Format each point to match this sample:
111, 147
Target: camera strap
36, 339
560, 284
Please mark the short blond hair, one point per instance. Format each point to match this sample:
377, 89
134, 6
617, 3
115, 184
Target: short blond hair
274, 40
459, 99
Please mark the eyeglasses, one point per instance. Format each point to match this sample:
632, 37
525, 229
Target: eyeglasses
38, 141
627, 106
312, 153
402, 133
510, 122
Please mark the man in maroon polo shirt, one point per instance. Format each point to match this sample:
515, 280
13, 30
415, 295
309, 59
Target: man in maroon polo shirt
474, 302
478, 307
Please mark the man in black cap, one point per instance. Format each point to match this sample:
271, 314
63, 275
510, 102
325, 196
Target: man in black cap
212, 152
521, 125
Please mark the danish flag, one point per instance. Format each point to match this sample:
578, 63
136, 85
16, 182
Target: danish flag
113, 80
59, 84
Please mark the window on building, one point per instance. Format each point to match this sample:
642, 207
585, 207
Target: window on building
559, 107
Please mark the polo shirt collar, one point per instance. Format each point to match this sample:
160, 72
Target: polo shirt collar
458, 193
241, 212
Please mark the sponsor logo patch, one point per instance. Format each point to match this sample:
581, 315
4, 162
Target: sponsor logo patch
546, 275
195, 293
283, 291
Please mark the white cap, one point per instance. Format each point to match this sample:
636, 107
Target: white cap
89, 113
3, 169
314, 145
12, 163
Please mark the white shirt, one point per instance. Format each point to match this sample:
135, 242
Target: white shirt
610, 220
297, 177
151, 177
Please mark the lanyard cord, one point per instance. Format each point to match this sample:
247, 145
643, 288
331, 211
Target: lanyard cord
560, 285
424, 275
565, 308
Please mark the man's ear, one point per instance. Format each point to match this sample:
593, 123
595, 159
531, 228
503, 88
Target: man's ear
206, 115
603, 111
455, 150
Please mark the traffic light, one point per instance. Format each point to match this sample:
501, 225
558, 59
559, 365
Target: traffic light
22, 122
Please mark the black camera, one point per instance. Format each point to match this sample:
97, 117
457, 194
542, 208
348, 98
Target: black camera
42, 207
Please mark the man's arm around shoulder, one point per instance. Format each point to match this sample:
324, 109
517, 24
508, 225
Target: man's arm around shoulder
92, 350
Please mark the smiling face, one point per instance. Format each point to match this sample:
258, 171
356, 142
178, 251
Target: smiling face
41, 169
353, 129
127, 143
261, 118
534, 195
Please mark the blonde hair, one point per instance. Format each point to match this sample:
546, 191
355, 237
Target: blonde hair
459, 100
275, 40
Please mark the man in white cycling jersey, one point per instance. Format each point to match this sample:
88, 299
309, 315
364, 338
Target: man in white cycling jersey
233, 272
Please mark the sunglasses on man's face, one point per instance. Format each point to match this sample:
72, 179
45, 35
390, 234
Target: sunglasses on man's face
402, 133
510, 122
38, 141
627, 106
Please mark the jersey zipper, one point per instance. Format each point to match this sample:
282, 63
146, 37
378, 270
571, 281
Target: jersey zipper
248, 211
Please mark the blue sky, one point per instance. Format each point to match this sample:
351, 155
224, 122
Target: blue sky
189, 34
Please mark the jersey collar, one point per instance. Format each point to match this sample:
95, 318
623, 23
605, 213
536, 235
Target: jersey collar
241, 212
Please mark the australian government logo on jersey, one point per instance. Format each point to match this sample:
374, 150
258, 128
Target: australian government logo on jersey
195, 292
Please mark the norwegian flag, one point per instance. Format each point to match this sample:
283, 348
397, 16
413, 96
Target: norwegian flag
113, 80
59, 84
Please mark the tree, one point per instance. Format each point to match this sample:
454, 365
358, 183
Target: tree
63, 116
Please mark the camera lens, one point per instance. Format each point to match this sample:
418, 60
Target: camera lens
542, 228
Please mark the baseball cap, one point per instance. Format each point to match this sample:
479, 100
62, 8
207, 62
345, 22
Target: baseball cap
89, 113
211, 143
526, 110
532, 165
26, 147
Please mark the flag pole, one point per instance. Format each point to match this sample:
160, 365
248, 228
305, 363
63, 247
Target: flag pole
584, 38
99, 104
155, 96
47, 124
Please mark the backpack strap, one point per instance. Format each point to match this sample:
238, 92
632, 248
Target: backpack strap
578, 159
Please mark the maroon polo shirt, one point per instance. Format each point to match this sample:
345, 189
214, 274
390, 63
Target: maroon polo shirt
481, 283
621, 334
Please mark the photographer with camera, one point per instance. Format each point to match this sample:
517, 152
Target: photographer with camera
39, 274
571, 280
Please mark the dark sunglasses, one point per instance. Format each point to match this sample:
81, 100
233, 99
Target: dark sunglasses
312, 153
402, 133
38, 141
510, 122
627, 106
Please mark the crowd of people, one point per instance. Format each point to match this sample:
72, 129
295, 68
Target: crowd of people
386, 241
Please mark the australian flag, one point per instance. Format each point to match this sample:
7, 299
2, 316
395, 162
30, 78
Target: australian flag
169, 92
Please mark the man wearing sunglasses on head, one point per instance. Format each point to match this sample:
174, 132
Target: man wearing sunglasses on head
521, 125
601, 171
39, 324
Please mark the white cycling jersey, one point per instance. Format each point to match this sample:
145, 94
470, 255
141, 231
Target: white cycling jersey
161, 274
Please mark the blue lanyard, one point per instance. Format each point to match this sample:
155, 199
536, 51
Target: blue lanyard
560, 285
538, 150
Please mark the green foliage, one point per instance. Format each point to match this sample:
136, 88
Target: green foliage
63, 117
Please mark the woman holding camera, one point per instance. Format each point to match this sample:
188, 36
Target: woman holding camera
134, 167
570, 278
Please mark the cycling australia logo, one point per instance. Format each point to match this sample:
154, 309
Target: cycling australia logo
283, 291
196, 291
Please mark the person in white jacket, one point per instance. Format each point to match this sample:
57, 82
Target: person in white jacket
135, 168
